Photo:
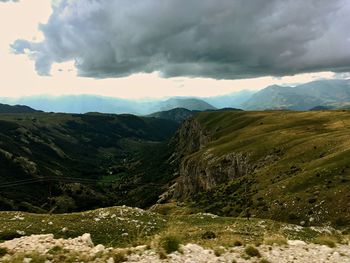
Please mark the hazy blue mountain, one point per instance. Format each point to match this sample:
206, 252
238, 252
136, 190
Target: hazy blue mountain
78, 104
234, 100
4, 108
187, 103
333, 93
320, 108
92, 103
178, 114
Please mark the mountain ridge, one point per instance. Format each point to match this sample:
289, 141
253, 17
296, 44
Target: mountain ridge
5, 108
302, 97
81, 104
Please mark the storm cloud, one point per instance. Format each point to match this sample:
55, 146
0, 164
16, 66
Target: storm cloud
224, 39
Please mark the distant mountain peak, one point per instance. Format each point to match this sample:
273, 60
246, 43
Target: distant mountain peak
186, 103
5, 108
333, 93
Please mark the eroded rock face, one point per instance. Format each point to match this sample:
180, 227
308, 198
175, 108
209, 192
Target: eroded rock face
198, 170
190, 138
204, 172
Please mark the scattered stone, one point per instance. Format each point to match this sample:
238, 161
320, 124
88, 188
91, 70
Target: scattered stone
296, 243
19, 232
295, 251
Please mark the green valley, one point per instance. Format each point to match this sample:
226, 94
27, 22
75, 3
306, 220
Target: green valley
64, 162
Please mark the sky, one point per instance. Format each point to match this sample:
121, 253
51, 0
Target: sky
153, 49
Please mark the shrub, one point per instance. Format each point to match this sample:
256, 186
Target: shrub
326, 240
162, 255
275, 240
219, 251
3, 251
170, 243
208, 235
341, 221
9, 235
293, 216
119, 257
264, 261
252, 251
238, 242
55, 250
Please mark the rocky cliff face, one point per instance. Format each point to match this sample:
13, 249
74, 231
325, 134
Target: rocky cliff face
190, 138
205, 171
199, 169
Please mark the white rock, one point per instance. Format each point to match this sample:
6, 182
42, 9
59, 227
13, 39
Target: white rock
27, 260
19, 232
140, 248
86, 238
296, 243
98, 248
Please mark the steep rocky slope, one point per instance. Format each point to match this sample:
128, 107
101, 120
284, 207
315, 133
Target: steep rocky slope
289, 166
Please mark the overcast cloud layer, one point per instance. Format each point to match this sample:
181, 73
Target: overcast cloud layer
220, 39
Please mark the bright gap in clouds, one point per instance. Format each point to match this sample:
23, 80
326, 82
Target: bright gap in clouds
18, 77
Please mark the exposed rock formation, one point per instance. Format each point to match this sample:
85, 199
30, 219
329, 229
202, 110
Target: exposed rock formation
201, 170
205, 171
190, 138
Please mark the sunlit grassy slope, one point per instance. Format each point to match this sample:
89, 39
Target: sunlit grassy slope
300, 165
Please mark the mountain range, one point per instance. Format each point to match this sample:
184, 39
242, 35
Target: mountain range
320, 94
91, 103
327, 93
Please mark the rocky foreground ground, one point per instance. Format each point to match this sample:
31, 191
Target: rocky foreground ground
45, 248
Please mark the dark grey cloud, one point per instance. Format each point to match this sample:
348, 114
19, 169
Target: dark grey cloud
220, 39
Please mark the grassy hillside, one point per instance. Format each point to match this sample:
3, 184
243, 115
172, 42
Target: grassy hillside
70, 162
125, 227
178, 114
4, 108
289, 166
